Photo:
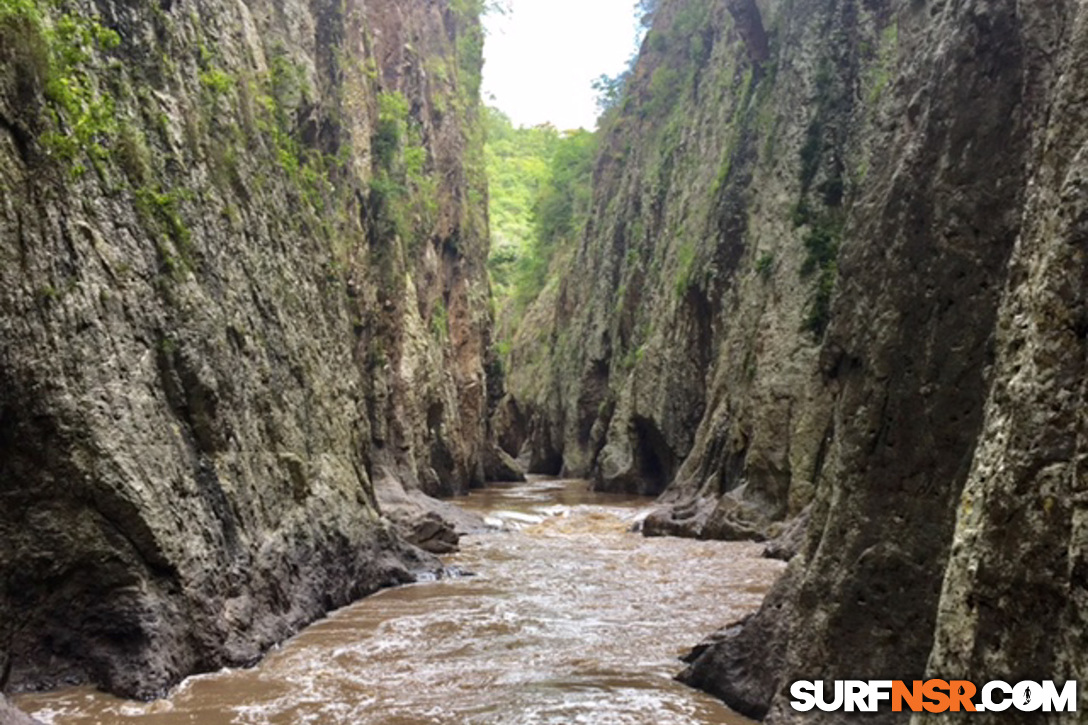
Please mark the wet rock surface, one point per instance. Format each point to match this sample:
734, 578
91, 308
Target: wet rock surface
743, 662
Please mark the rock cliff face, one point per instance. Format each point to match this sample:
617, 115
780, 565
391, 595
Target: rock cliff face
682, 351
870, 310
1013, 606
241, 288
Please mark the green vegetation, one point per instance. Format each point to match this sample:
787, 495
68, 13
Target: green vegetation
822, 242
540, 196
470, 44
216, 80
812, 151
440, 321
879, 73
404, 197
821, 206
390, 130
161, 210
277, 95
133, 154
53, 53
609, 90
680, 52
765, 265
685, 268
25, 37
631, 359
666, 84
518, 164
565, 197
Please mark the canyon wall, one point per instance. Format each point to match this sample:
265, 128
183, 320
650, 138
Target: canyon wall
837, 278
681, 351
948, 543
243, 314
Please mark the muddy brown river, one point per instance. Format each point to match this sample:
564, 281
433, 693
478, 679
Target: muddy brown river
569, 619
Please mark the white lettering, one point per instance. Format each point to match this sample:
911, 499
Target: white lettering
995, 696
987, 696
803, 697
1027, 696
834, 704
879, 690
857, 696
1066, 701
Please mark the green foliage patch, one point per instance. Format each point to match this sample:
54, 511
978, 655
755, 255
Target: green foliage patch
403, 195
161, 210
879, 73
540, 183
765, 265
51, 49
685, 268
822, 241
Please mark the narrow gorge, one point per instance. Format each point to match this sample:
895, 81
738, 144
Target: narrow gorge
817, 283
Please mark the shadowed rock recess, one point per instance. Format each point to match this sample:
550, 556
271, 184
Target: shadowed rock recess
242, 302
835, 273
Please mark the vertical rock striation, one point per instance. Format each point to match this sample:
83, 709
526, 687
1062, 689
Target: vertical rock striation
908, 350
681, 354
241, 286
842, 281
1012, 605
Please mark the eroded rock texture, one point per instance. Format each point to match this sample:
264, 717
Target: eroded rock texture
681, 354
870, 312
241, 288
927, 424
1013, 603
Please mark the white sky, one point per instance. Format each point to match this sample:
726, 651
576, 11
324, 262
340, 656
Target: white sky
541, 58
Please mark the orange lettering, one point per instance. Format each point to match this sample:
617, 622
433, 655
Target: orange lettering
962, 692
912, 696
932, 689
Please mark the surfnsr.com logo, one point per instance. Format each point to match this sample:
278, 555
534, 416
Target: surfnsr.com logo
933, 696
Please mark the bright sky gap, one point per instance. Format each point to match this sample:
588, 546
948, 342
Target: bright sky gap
541, 57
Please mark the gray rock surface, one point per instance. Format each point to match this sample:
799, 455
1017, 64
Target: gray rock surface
242, 253
1013, 601
500, 466
679, 354
846, 277
958, 379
